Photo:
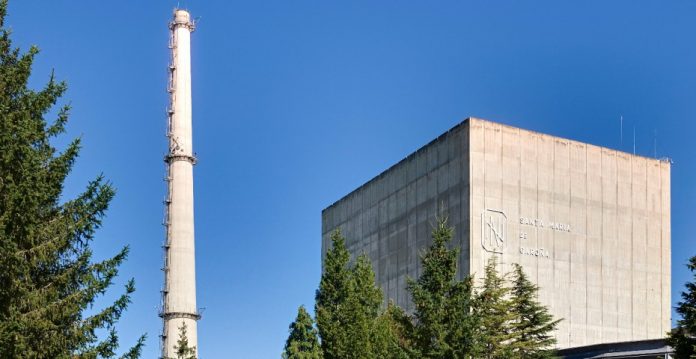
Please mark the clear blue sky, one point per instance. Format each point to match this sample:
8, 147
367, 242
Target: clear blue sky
296, 103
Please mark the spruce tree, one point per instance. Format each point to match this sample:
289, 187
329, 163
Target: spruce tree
463, 324
348, 304
533, 325
302, 342
182, 348
683, 337
331, 298
493, 310
444, 326
47, 277
393, 334
361, 310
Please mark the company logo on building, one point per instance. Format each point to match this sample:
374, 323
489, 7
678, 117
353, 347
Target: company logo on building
493, 230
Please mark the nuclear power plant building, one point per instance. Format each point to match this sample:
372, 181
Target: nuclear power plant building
590, 225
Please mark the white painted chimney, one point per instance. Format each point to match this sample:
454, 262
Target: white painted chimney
179, 291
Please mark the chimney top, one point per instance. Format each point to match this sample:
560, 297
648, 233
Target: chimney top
181, 17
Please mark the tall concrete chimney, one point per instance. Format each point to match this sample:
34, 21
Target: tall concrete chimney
179, 291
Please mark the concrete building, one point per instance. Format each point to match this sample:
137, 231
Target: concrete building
179, 291
590, 225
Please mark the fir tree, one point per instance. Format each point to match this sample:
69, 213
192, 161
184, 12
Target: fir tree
348, 308
683, 337
331, 297
493, 310
533, 324
47, 277
182, 348
392, 334
361, 310
443, 322
463, 323
302, 342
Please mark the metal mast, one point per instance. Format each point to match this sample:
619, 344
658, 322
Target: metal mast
179, 291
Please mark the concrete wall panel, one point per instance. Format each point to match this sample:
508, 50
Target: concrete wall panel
602, 260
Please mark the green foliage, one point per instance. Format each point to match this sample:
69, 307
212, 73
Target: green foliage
513, 324
493, 310
330, 298
361, 310
348, 308
463, 321
452, 319
443, 322
533, 325
392, 334
302, 342
182, 348
683, 337
47, 277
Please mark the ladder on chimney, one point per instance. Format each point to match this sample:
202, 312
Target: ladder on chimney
171, 86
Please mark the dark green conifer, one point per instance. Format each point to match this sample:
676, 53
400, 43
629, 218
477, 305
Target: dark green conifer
493, 310
47, 277
444, 326
331, 297
302, 342
463, 324
182, 348
683, 337
393, 334
361, 310
533, 325
348, 308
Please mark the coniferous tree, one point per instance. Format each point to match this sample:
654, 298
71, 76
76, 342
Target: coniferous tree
463, 322
331, 298
331, 295
47, 277
393, 334
444, 326
302, 342
182, 348
494, 314
533, 325
348, 304
361, 310
683, 337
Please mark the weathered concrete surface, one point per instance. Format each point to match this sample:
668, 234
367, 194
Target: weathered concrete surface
179, 297
590, 225
390, 217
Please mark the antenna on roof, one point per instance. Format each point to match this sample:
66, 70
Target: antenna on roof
655, 143
634, 140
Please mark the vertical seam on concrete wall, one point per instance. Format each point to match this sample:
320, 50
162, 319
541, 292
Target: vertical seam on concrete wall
632, 248
601, 242
502, 191
669, 239
616, 239
536, 210
462, 219
485, 206
586, 240
645, 259
471, 202
555, 219
662, 319
483, 175
570, 241
519, 190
